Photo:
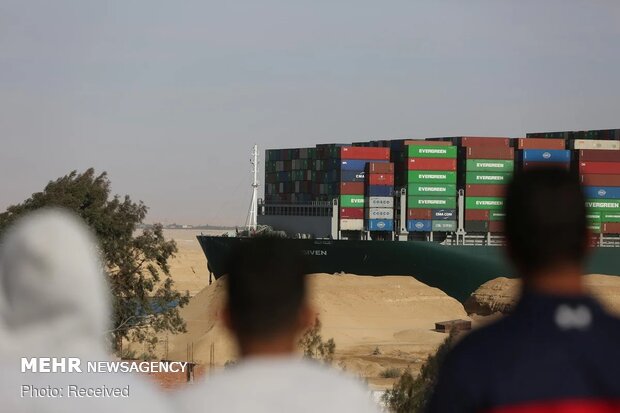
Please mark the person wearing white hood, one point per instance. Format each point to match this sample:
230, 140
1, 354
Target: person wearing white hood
54, 302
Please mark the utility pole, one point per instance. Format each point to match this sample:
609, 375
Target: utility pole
252, 220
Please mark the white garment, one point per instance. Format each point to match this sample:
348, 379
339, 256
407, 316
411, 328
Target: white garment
278, 384
54, 302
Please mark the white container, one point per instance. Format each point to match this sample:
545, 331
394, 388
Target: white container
351, 225
380, 202
596, 144
380, 213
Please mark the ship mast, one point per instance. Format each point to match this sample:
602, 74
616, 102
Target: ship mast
252, 221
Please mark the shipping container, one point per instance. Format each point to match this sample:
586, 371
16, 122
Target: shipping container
476, 226
603, 192
432, 177
422, 142
360, 152
351, 224
353, 165
607, 205
527, 166
594, 226
490, 152
431, 151
497, 191
352, 176
541, 143
609, 217
433, 202
484, 203
444, 226
500, 178
599, 167
496, 226
545, 155
381, 167
431, 164
477, 215
591, 155
420, 213
610, 228
351, 201
351, 213
483, 141
425, 225
380, 225
593, 144
431, 189
379, 190
352, 188
439, 214
380, 213
381, 179
489, 165
380, 202
600, 180
497, 215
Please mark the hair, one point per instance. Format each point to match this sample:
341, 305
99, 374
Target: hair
266, 287
545, 220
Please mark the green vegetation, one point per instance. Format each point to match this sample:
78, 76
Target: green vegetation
136, 262
411, 395
314, 347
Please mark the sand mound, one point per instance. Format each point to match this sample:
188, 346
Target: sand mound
393, 314
501, 294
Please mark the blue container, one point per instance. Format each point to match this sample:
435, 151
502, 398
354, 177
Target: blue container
379, 190
424, 225
545, 155
603, 192
447, 214
352, 176
356, 164
380, 225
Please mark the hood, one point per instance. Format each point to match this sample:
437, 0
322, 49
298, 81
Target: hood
53, 294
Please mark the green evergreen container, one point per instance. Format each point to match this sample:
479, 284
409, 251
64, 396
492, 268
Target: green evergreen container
431, 202
431, 177
604, 205
431, 189
499, 178
497, 215
431, 151
351, 201
481, 202
609, 217
490, 165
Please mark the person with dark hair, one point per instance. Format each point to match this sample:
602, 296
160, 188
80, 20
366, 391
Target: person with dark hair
267, 309
557, 351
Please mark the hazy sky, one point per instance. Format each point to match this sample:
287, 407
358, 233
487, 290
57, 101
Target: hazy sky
168, 97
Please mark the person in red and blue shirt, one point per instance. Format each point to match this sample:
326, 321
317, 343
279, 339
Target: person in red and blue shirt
559, 350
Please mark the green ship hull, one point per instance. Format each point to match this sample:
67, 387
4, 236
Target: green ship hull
456, 270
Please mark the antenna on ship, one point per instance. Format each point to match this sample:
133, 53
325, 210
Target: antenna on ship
252, 222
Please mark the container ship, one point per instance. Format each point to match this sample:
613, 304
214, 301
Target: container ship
430, 208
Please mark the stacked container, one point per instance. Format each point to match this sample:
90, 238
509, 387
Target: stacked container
431, 186
486, 167
379, 199
599, 171
353, 161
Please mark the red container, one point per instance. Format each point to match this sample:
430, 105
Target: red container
484, 141
421, 142
496, 226
490, 152
351, 213
610, 228
540, 143
419, 213
361, 152
599, 167
594, 155
431, 164
381, 179
381, 167
351, 188
600, 180
477, 215
497, 191
543, 165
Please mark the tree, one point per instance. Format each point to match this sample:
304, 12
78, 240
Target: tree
313, 345
411, 395
145, 300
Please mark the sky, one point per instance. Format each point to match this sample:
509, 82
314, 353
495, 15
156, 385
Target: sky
169, 97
